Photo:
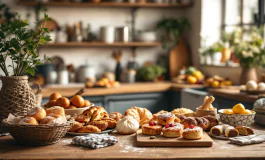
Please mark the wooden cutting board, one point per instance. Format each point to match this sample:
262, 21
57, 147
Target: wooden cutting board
160, 141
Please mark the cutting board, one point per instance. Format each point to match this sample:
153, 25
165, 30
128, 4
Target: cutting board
160, 141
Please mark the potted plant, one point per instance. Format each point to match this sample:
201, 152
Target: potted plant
19, 57
150, 72
250, 52
212, 54
172, 29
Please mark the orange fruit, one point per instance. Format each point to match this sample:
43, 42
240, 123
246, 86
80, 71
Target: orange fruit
228, 111
239, 108
72, 107
87, 103
215, 84
55, 96
247, 111
77, 101
63, 102
51, 103
191, 79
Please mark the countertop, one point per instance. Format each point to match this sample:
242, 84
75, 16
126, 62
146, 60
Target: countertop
125, 88
234, 94
126, 149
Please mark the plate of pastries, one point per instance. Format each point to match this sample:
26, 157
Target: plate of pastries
225, 131
95, 120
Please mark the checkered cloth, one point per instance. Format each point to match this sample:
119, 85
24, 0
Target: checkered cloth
95, 141
248, 140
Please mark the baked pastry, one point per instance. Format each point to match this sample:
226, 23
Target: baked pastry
230, 131
47, 120
38, 113
28, 121
95, 113
76, 126
183, 111
213, 121
56, 110
142, 115
89, 129
127, 125
218, 130
116, 116
54, 115
165, 118
192, 133
82, 119
189, 121
244, 130
111, 122
151, 129
177, 120
241, 130
181, 117
203, 123
155, 116
173, 130
102, 125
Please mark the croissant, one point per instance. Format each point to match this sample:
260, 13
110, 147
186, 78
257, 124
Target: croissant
89, 129
95, 113
142, 115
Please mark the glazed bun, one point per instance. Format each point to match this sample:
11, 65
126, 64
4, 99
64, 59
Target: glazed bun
55, 111
166, 118
127, 125
47, 120
28, 121
38, 113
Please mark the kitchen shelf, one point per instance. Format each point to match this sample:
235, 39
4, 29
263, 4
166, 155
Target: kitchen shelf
107, 4
102, 44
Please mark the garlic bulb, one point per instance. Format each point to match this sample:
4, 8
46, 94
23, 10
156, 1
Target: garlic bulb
261, 86
127, 125
259, 104
251, 85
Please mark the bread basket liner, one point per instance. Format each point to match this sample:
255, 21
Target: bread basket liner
37, 134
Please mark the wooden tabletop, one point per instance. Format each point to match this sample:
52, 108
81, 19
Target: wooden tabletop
234, 94
126, 88
126, 149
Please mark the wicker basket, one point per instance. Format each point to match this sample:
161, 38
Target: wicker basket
37, 134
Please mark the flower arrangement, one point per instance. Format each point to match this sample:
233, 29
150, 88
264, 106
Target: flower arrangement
249, 50
19, 45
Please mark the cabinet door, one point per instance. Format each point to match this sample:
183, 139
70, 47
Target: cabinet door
98, 101
152, 101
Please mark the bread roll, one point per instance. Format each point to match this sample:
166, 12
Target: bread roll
230, 131
28, 121
89, 129
55, 111
47, 120
217, 130
38, 113
142, 115
116, 116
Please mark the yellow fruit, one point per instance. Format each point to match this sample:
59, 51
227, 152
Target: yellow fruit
215, 84
239, 108
228, 111
228, 83
197, 74
247, 112
191, 80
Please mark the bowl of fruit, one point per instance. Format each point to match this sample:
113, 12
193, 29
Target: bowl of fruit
190, 76
237, 116
74, 105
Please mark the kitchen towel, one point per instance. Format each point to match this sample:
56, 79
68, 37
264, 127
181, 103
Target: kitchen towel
259, 137
95, 141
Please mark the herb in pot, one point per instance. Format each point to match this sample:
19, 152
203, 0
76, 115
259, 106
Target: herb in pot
150, 72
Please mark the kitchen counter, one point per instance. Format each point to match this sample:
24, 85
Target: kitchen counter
233, 93
126, 149
147, 87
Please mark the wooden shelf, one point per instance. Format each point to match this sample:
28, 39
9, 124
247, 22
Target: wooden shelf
102, 44
107, 4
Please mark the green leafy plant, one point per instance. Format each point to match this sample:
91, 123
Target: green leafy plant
150, 72
19, 44
172, 29
216, 47
249, 50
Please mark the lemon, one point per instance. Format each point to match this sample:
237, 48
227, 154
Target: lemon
197, 74
228, 111
191, 79
215, 84
239, 108
247, 112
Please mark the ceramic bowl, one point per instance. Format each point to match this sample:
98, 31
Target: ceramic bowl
147, 36
237, 119
76, 111
201, 112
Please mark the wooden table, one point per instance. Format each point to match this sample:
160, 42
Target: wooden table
122, 89
126, 149
234, 94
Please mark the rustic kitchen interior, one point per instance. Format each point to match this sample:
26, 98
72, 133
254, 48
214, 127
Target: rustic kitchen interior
132, 79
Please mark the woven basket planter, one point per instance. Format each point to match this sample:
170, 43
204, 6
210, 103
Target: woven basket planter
16, 96
37, 134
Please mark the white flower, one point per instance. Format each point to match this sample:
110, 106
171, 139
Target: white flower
247, 54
